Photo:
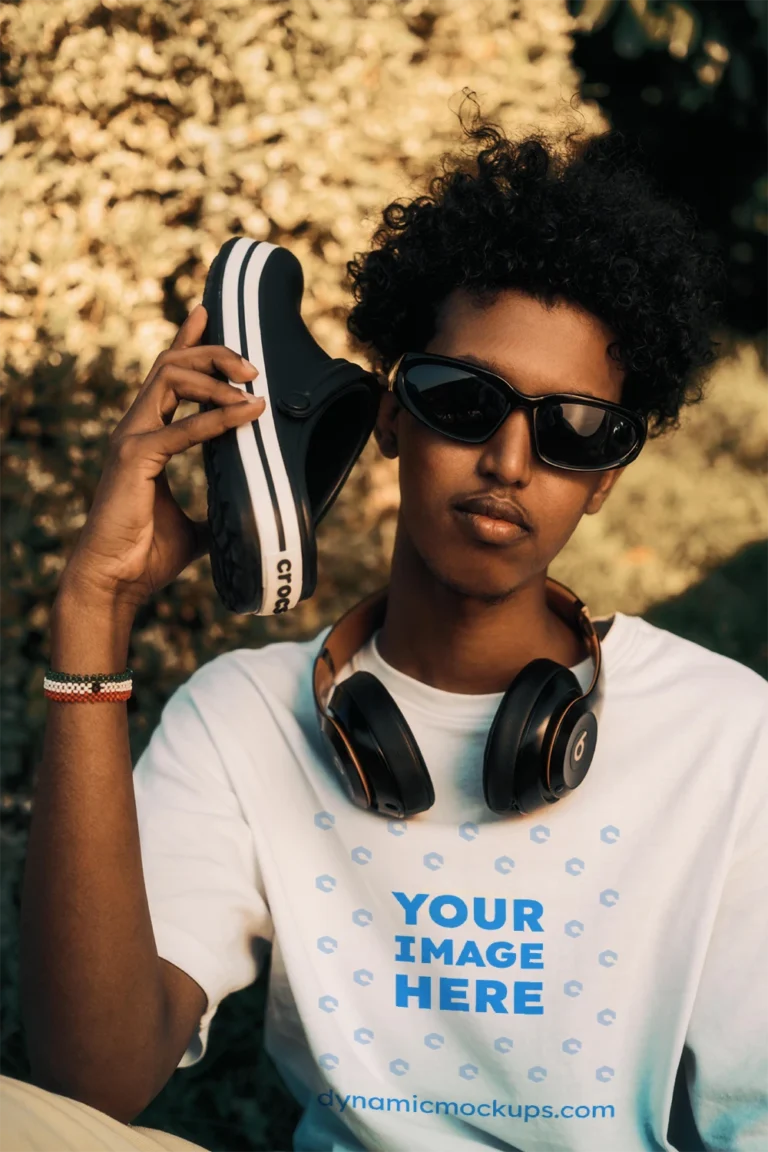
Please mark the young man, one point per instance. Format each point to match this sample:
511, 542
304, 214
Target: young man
463, 978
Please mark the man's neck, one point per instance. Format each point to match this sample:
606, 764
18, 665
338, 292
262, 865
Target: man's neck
461, 644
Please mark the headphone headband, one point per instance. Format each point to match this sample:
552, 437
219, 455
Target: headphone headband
358, 624
539, 746
347, 636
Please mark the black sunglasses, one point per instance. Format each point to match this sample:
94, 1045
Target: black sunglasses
469, 404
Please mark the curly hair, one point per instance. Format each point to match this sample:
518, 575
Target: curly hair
587, 225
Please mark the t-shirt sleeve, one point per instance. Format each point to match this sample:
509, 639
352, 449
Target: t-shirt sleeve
728, 1029
206, 899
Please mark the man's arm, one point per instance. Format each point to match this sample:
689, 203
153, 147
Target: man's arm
106, 1021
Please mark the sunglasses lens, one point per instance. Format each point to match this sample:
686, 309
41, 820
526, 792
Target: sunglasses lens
584, 435
454, 401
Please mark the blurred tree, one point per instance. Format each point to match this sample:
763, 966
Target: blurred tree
687, 80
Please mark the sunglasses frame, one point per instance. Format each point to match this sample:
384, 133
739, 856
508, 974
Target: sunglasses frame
530, 404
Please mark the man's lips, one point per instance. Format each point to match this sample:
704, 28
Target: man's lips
494, 509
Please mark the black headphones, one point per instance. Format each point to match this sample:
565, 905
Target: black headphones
539, 747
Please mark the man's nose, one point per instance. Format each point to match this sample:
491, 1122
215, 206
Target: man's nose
509, 453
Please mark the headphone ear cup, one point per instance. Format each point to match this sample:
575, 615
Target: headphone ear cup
385, 746
515, 751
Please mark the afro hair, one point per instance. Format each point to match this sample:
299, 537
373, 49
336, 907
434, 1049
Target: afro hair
586, 224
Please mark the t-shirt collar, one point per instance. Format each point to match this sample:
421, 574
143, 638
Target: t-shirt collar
462, 710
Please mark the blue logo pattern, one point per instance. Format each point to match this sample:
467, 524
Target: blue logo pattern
362, 917
469, 831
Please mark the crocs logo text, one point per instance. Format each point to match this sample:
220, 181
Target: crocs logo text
284, 591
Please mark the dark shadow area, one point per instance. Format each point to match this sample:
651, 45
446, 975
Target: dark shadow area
727, 612
700, 114
682, 1133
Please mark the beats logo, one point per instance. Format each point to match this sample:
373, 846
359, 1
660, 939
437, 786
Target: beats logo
284, 591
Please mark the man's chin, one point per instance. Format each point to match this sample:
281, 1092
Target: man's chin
475, 586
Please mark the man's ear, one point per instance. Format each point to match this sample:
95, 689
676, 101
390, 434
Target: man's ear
600, 495
385, 429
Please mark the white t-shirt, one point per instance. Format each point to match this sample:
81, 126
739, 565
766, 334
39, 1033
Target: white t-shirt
462, 979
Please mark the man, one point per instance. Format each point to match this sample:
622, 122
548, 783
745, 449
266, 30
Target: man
463, 978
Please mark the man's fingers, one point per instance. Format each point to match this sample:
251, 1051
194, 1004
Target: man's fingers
187, 336
192, 329
212, 357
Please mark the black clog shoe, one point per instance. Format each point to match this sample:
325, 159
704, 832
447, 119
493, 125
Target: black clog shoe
270, 482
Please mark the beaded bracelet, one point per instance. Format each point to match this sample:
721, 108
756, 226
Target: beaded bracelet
74, 688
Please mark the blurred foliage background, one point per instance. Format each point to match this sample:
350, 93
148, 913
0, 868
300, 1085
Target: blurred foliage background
136, 136
689, 82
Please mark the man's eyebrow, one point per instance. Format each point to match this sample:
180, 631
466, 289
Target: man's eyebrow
496, 368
